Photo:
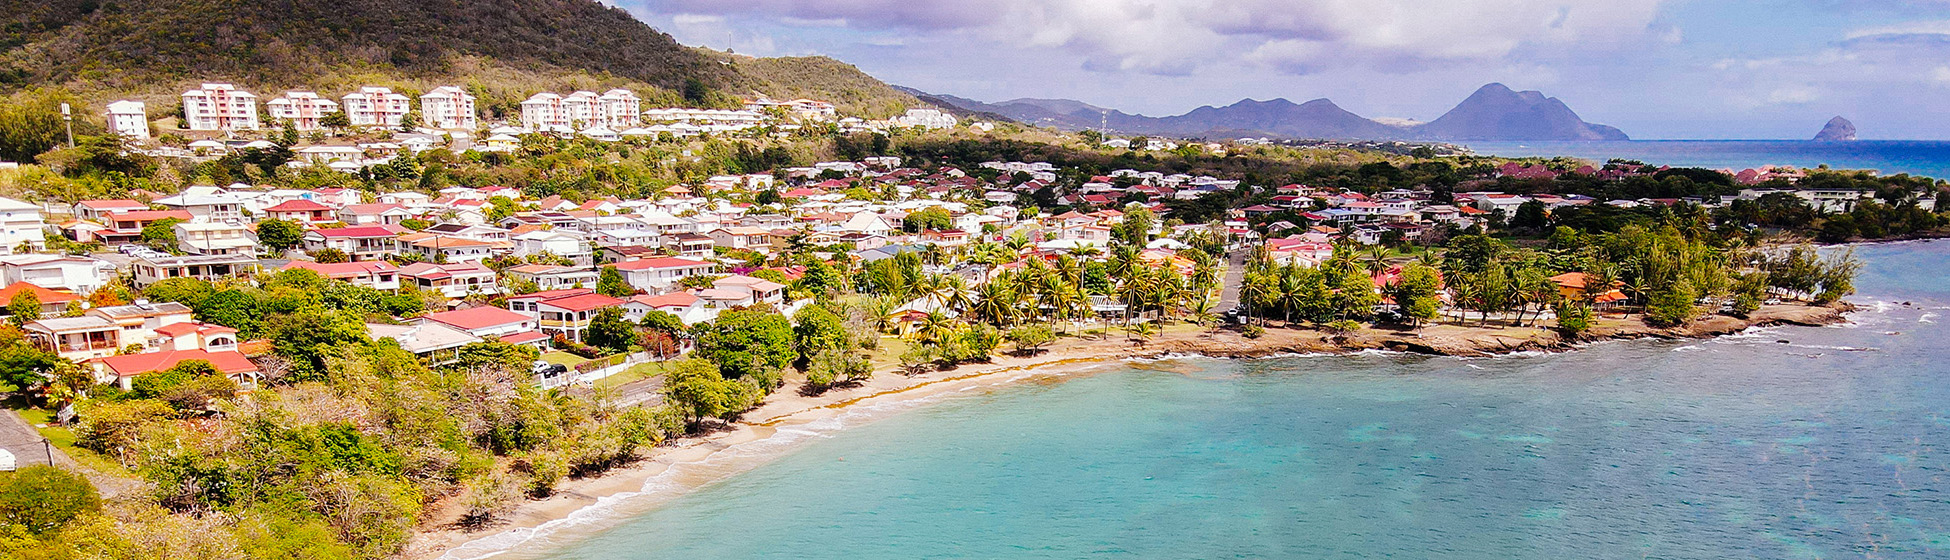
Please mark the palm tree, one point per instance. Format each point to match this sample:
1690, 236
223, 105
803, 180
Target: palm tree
935, 328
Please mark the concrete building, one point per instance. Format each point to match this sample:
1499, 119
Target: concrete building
217, 106
303, 109
129, 119
448, 107
543, 112
215, 238
375, 106
20, 227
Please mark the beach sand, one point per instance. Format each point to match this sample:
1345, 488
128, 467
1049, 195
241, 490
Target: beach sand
787, 419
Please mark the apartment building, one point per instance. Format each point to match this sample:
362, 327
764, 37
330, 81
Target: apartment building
20, 224
619, 109
375, 106
448, 107
615, 109
129, 119
303, 109
215, 238
217, 106
543, 111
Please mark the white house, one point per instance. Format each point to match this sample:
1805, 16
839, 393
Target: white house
215, 238
129, 119
303, 109
81, 275
208, 204
556, 243
657, 275
378, 275
375, 106
543, 112
219, 107
448, 107
485, 321
20, 224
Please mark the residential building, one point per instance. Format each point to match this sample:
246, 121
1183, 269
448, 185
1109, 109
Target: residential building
207, 203
122, 227
195, 335
561, 244
98, 210
302, 211
217, 106
129, 119
687, 306
122, 370
757, 289
215, 238
75, 338
374, 214
375, 106
486, 321
448, 249
618, 109
375, 274
151, 268
450, 280
657, 275
571, 315
926, 118
543, 112
690, 245
303, 109
436, 343
360, 243
555, 277
20, 225
81, 275
53, 302
448, 107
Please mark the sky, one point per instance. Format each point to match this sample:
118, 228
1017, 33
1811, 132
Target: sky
1658, 69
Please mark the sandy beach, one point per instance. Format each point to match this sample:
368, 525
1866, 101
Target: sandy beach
787, 419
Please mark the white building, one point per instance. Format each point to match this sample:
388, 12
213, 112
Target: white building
927, 118
375, 106
619, 109
448, 107
543, 111
215, 238
129, 119
219, 107
303, 109
81, 275
20, 224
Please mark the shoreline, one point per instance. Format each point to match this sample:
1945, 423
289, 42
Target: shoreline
787, 419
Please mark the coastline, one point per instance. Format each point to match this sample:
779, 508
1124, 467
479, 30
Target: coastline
787, 419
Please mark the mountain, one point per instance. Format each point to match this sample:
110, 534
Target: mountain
1495, 112
1837, 130
507, 48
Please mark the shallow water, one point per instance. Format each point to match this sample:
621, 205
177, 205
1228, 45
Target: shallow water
1915, 157
1831, 445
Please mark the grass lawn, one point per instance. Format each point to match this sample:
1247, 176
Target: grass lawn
64, 438
637, 372
889, 354
563, 358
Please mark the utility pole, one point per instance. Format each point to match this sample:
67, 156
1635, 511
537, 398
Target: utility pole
67, 118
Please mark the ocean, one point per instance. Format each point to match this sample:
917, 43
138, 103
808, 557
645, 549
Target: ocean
1791, 442
1927, 158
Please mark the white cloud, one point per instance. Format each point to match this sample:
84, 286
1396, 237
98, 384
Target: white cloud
1176, 37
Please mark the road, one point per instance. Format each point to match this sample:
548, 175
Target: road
20, 438
1235, 275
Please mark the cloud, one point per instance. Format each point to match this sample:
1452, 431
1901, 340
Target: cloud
1177, 37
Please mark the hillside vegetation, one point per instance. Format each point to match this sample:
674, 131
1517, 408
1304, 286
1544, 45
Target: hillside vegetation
504, 50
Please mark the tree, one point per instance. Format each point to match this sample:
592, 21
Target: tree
1573, 317
186, 291
329, 255
818, 329
697, 389
609, 331
931, 218
1030, 339
42, 498
1672, 306
280, 235
1135, 229
22, 364
231, 308
612, 284
748, 343
335, 120
1531, 215
1417, 293
837, 365
662, 321
161, 234
25, 308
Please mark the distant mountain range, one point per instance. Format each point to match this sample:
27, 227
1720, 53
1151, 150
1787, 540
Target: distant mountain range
1494, 112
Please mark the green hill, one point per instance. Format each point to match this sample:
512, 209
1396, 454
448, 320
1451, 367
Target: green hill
504, 49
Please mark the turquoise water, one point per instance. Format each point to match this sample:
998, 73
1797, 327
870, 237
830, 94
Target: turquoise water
1928, 158
1830, 446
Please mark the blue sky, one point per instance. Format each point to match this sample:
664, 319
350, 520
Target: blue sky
1655, 68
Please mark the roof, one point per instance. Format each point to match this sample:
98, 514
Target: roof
111, 203
343, 270
478, 318
424, 337
298, 205
69, 324
130, 365
180, 329
661, 262
149, 215
46, 296
673, 299
584, 302
359, 231
430, 270
523, 337
553, 294
143, 310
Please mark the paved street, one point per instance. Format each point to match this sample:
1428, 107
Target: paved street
17, 436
